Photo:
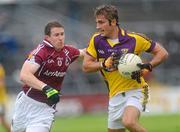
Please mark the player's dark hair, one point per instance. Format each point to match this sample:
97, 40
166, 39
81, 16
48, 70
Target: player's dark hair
50, 25
109, 11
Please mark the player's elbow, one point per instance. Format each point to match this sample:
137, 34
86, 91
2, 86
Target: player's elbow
22, 77
166, 55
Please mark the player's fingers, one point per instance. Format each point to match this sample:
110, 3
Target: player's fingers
140, 65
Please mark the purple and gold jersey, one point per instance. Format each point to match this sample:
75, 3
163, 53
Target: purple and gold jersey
128, 42
52, 67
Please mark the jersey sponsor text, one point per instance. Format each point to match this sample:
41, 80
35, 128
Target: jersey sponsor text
54, 73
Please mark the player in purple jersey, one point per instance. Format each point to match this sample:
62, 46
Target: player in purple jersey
42, 74
127, 97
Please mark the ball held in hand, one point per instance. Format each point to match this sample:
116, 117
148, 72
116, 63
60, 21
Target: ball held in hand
128, 64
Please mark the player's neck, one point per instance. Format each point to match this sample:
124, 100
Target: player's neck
114, 34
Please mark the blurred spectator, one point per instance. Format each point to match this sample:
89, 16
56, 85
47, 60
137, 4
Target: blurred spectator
8, 42
3, 19
3, 99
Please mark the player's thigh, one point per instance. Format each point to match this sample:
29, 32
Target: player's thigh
115, 111
131, 114
37, 129
133, 106
18, 123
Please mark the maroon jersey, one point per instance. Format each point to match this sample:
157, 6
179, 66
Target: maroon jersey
53, 66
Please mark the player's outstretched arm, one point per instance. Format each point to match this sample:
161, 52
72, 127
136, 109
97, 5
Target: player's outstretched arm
90, 64
82, 52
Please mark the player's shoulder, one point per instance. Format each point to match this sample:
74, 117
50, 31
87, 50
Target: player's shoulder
39, 50
96, 35
70, 48
139, 35
72, 51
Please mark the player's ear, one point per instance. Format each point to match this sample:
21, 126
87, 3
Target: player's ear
113, 22
46, 37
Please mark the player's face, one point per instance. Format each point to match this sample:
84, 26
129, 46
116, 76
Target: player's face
56, 38
103, 26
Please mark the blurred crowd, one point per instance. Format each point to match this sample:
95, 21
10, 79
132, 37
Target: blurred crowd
21, 26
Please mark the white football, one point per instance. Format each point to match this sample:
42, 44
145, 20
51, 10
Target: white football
128, 64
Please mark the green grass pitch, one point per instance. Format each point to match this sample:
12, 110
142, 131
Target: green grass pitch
98, 123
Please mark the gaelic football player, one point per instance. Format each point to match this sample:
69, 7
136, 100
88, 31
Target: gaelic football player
127, 97
42, 74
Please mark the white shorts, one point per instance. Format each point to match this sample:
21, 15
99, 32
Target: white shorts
31, 113
117, 104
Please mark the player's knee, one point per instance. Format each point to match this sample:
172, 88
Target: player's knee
128, 123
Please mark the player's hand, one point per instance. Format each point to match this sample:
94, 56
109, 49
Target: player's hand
136, 75
116, 58
147, 66
110, 63
52, 94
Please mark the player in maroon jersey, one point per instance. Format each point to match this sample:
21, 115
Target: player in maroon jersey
42, 74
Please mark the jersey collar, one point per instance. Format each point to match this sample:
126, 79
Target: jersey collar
47, 43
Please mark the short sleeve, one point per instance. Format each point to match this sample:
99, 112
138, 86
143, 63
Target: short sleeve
74, 53
143, 43
36, 56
